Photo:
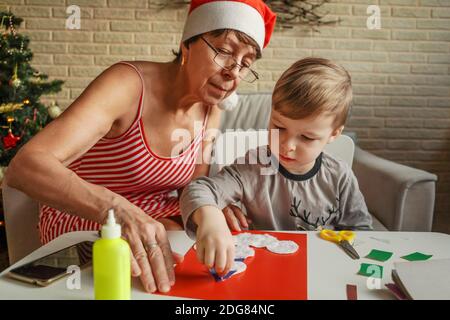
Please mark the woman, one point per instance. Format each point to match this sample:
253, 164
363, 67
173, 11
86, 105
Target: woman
113, 146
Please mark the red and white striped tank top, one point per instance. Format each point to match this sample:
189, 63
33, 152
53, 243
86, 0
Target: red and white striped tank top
127, 166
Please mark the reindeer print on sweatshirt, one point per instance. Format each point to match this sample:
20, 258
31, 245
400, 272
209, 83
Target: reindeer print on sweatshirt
327, 196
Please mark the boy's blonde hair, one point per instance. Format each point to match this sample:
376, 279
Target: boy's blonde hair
313, 86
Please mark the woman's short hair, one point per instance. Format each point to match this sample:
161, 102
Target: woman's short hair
244, 38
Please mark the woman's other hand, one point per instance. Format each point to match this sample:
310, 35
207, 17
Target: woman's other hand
235, 218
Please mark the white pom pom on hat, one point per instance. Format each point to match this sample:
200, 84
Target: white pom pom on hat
230, 102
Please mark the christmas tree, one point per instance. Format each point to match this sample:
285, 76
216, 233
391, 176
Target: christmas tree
22, 114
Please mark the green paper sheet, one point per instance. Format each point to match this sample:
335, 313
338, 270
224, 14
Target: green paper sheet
417, 256
379, 255
371, 270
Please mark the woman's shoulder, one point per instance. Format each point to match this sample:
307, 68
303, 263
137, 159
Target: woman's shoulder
118, 79
123, 71
153, 74
117, 86
147, 69
121, 82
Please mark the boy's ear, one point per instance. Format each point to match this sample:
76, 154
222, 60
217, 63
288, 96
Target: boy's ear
336, 133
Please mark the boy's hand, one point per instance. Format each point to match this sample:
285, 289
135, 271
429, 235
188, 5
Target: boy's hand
215, 245
235, 218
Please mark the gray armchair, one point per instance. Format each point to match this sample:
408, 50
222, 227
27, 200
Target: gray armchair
21, 222
400, 198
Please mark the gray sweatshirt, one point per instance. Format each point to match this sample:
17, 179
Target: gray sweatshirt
327, 196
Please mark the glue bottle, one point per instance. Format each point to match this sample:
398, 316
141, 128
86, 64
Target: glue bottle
111, 263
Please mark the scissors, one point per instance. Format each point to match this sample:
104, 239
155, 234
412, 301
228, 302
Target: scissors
343, 238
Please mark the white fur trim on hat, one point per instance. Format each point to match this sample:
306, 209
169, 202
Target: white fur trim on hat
225, 15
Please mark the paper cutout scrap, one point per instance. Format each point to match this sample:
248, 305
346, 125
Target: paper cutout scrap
352, 292
417, 256
238, 267
371, 270
379, 255
221, 278
396, 291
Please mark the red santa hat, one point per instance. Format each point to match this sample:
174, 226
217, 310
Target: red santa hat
253, 17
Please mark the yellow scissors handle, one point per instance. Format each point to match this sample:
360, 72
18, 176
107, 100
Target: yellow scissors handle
347, 235
332, 236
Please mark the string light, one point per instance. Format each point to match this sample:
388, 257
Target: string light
11, 25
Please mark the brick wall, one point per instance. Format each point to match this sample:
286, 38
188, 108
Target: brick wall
401, 73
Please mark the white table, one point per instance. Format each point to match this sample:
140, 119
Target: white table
329, 268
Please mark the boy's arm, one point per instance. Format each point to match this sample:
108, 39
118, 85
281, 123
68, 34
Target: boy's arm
219, 191
201, 203
354, 212
215, 245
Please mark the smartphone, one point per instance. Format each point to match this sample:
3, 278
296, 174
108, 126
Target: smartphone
52, 267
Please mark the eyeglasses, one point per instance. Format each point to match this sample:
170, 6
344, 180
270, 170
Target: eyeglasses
227, 62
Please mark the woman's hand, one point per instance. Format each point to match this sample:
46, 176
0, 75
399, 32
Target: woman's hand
152, 258
215, 245
235, 218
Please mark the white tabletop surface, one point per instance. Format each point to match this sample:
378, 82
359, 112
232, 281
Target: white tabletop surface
329, 268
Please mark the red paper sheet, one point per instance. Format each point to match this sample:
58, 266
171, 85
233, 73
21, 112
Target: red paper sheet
269, 276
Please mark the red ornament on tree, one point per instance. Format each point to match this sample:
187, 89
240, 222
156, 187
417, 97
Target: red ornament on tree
10, 140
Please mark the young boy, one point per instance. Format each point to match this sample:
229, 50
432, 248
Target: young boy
310, 190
